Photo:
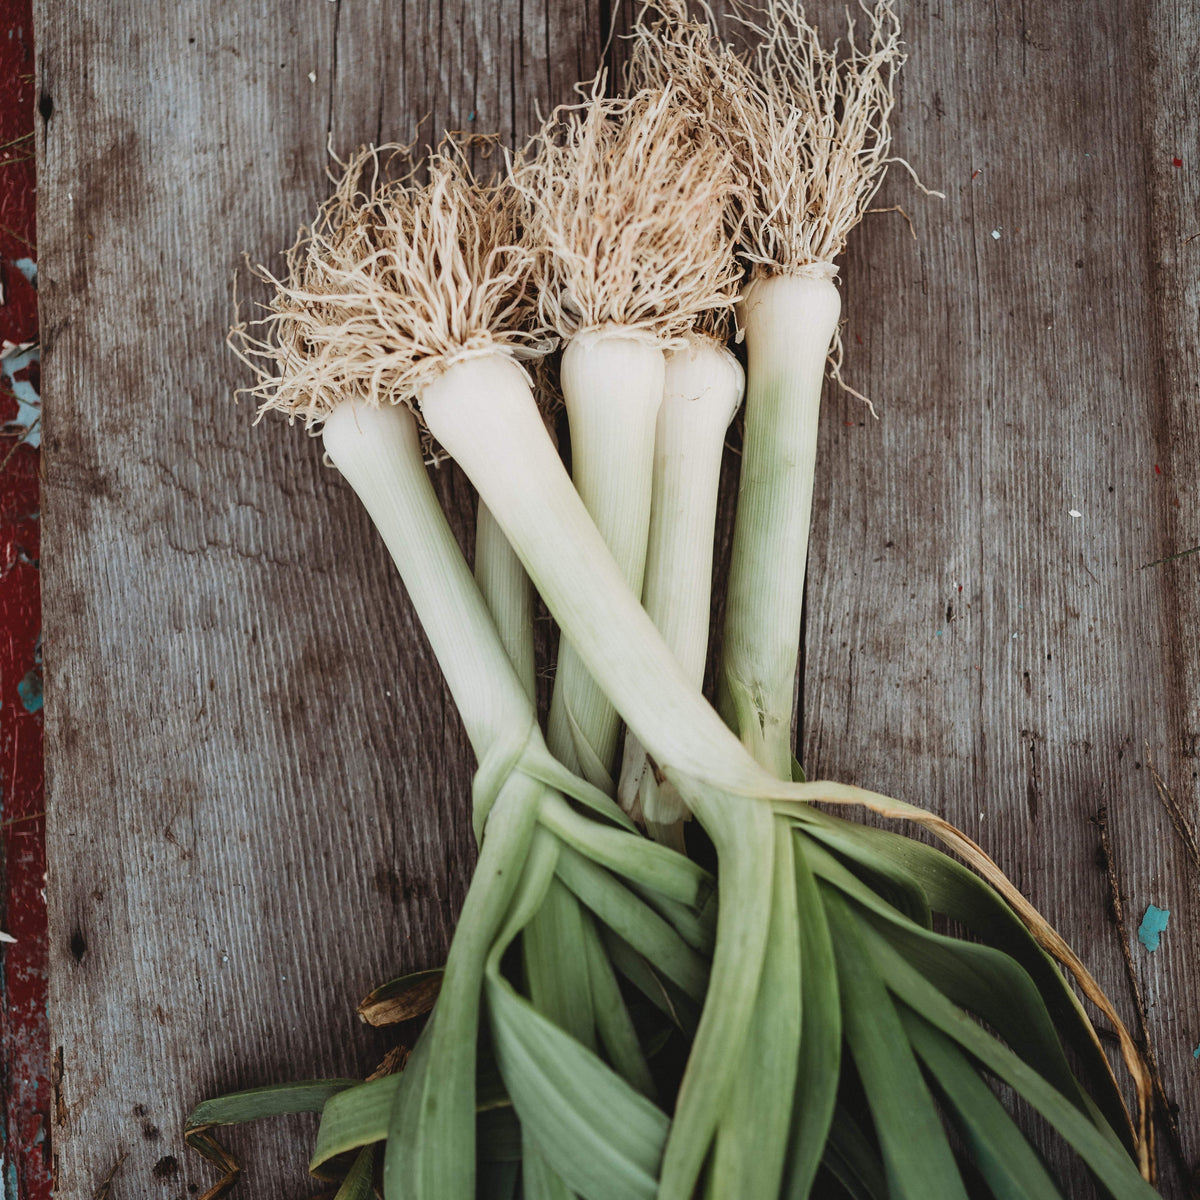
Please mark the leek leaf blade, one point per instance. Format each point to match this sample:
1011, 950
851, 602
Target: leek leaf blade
275, 1100
916, 1155
821, 1036
598, 1134
359, 1182
1102, 1153
999, 1149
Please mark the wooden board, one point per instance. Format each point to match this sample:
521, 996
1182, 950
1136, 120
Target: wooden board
255, 813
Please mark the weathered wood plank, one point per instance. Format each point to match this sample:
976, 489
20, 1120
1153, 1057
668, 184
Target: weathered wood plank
255, 813
982, 637
254, 817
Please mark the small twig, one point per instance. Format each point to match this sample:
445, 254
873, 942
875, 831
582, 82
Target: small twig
105, 1191
202, 1141
24, 137
1183, 828
17, 820
1165, 1111
1170, 558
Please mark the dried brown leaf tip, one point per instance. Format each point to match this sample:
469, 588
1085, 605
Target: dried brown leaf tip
807, 125
627, 203
393, 282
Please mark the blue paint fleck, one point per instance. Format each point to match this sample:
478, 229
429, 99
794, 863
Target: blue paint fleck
471, 116
1196, 1052
28, 268
29, 403
30, 691
1153, 923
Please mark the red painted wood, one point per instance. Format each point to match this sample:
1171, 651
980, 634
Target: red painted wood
24, 1038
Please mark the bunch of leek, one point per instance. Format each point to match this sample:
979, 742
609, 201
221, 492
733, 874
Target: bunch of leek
836, 1031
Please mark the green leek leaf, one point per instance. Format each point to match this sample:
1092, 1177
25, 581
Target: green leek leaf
916, 1153
664, 995
821, 1036
603, 1138
613, 1022
752, 1137
539, 1181
626, 914
359, 1181
274, 1100
354, 1118
956, 891
1111, 1164
635, 858
987, 982
556, 973
1004, 1157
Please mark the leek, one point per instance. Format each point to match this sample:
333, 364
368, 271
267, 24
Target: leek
627, 207
367, 322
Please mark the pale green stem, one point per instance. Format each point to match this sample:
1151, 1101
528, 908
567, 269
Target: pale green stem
789, 322
613, 386
702, 390
379, 453
507, 594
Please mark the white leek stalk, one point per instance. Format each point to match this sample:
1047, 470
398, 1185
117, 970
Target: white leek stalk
612, 382
702, 392
789, 321
378, 451
482, 412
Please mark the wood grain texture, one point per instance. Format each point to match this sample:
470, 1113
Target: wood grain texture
984, 637
254, 815
258, 784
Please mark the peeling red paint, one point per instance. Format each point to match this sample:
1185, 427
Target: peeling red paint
25, 1045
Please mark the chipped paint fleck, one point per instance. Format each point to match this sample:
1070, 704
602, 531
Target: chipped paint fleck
30, 691
1154, 923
